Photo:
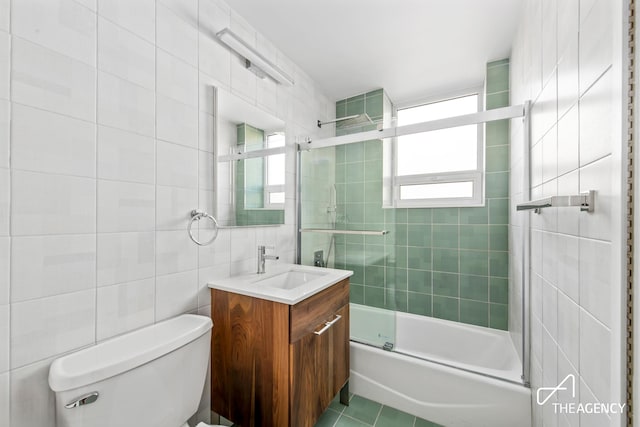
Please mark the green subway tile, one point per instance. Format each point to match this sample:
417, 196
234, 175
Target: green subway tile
445, 216
474, 262
498, 211
373, 171
424, 423
498, 62
497, 159
400, 256
445, 308
419, 216
341, 173
497, 133
373, 213
355, 192
328, 418
397, 278
373, 193
419, 303
445, 236
374, 275
474, 237
419, 281
445, 260
376, 92
373, 150
341, 109
350, 422
445, 284
355, 106
499, 237
474, 215
362, 409
355, 152
494, 100
474, 312
355, 254
400, 215
390, 417
474, 287
497, 78
499, 264
355, 213
353, 239
356, 293
373, 106
419, 235
419, 258
374, 296
499, 290
341, 154
374, 240
355, 172
358, 273
396, 300
497, 184
401, 234
499, 316
374, 255
354, 98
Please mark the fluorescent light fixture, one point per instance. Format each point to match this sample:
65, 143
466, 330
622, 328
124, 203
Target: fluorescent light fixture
254, 58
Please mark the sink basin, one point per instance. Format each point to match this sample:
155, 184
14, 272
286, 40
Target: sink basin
290, 279
284, 283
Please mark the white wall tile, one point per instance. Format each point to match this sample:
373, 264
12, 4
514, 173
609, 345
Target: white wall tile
595, 356
595, 282
138, 16
174, 206
591, 420
550, 155
125, 206
187, 10
126, 55
215, 59
5, 66
51, 81
125, 257
176, 36
596, 120
32, 401
568, 324
52, 204
60, 25
569, 219
177, 122
176, 79
568, 151
598, 176
176, 165
205, 133
5, 393
125, 307
176, 294
206, 171
568, 256
596, 42
175, 252
49, 142
125, 105
568, 395
4, 14
243, 244
568, 81
126, 156
4, 339
550, 309
90, 4
244, 82
217, 253
50, 326
5, 251
206, 275
4, 133
43, 266
214, 16
5, 197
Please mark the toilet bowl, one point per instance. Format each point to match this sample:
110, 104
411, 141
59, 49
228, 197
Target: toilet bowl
152, 377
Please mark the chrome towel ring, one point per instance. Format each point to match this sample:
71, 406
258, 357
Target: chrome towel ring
197, 215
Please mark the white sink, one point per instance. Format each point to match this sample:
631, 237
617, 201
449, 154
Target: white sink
285, 283
290, 279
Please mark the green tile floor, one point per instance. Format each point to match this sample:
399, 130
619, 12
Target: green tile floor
363, 412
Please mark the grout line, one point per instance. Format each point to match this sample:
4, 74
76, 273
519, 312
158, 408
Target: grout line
95, 200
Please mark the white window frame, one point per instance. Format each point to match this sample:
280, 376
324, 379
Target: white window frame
476, 176
269, 189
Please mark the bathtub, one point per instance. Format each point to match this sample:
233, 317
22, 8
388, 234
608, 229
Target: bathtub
450, 373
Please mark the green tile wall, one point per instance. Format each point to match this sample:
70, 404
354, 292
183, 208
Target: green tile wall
450, 263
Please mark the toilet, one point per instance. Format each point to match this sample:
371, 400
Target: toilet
152, 377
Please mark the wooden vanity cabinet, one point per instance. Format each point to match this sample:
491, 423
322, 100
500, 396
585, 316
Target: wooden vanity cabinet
278, 365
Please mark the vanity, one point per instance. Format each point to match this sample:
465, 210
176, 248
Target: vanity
280, 345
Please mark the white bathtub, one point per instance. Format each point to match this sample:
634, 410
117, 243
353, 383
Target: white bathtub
455, 386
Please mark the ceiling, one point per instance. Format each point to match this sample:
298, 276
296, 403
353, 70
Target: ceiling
413, 48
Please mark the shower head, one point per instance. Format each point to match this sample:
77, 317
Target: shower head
349, 121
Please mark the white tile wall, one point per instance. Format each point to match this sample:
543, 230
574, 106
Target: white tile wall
574, 294
112, 141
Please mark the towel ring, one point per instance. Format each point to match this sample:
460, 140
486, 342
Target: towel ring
197, 215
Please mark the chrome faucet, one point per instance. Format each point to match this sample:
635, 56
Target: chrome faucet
262, 257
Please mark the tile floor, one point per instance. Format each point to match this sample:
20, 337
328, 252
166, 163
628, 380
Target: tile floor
363, 412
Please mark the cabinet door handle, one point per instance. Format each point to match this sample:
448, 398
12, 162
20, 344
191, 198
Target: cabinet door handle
327, 325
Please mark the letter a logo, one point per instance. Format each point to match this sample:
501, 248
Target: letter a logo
554, 390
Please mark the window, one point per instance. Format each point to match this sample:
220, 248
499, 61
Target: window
442, 167
274, 174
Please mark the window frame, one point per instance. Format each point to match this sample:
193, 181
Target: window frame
476, 176
269, 189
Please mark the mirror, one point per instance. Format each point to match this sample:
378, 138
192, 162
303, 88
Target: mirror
250, 154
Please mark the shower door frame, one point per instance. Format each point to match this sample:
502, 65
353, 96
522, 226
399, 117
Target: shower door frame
504, 113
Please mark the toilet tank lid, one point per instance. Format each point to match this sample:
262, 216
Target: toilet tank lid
128, 351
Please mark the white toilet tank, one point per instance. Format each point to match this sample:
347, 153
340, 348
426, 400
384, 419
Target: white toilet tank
152, 377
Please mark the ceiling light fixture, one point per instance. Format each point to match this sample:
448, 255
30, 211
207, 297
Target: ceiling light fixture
253, 59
